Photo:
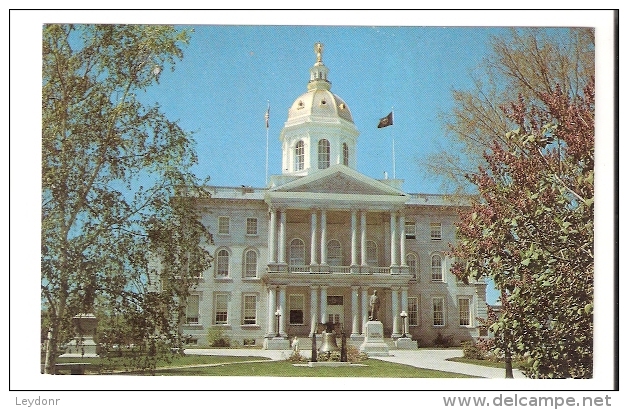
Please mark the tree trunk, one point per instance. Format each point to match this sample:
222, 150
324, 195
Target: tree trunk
508, 360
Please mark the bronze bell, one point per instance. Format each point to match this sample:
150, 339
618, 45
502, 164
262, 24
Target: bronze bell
329, 343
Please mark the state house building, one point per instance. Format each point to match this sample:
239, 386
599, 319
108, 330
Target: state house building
314, 244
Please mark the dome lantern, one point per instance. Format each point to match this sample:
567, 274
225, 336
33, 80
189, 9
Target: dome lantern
319, 131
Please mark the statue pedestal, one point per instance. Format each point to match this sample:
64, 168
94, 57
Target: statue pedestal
405, 343
276, 343
374, 344
83, 345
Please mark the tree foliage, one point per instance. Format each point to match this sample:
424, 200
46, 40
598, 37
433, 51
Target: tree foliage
530, 62
112, 168
531, 232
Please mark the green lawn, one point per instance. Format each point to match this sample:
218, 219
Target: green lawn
373, 368
117, 364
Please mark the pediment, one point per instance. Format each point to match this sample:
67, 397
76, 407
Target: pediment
339, 180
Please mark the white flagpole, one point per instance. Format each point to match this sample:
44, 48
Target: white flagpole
393, 144
267, 119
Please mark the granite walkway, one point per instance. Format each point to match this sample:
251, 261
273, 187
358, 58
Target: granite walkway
435, 359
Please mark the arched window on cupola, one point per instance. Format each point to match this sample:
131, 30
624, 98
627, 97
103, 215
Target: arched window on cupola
323, 154
345, 154
299, 156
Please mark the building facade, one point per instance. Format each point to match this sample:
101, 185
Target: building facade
313, 245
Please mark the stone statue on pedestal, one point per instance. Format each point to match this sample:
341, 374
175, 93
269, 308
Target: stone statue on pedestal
374, 306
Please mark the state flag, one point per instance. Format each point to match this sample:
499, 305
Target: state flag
386, 121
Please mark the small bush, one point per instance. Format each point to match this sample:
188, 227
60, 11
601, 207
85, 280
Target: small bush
216, 337
472, 351
443, 341
329, 357
354, 355
297, 357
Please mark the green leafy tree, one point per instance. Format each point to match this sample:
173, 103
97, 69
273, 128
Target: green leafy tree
529, 62
531, 232
112, 172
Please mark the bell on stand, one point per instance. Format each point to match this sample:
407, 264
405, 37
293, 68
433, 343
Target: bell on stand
329, 340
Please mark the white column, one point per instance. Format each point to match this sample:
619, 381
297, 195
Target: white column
402, 238
282, 309
395, 312
282, 236
323, 304
355, 316
272, 236
272, 307
324, 239
363, 238
313, 238
313, 309
365, 307
404, 307
354, 238
393, 239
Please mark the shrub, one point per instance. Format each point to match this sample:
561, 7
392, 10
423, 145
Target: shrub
470, 350
443, 341
329, 356
354, 355
297, 357
216, 337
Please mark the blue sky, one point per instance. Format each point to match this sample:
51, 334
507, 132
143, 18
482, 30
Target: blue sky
221, 87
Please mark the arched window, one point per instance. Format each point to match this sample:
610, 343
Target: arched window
334, 253
412, 262
371, 253
222, 263
345, 154
437, 268
250, 264
323, 154
299, 156
297, 252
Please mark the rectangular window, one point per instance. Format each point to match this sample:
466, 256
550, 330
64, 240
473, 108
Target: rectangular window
296, 309
191, 310
464, 306
249, 303
410, 229
436, 231
251, 226
221, 303
413, 311
223, 225
438, 311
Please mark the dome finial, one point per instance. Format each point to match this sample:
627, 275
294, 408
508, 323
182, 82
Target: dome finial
318, 49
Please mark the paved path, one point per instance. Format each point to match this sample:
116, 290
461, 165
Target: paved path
424, 358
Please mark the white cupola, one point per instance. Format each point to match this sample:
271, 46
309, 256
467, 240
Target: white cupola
319, 131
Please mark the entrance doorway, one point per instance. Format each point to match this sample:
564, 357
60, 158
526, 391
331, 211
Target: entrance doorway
335, 309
